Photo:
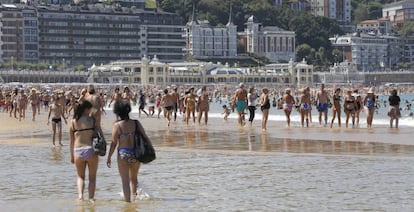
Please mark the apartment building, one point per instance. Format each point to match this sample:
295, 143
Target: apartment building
91, 34
368, 52
11, 33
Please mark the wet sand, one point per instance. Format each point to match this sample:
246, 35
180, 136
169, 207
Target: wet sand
219, 134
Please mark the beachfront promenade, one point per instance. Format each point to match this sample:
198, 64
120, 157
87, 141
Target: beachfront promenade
368, 78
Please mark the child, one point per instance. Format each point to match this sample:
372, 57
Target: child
226, 112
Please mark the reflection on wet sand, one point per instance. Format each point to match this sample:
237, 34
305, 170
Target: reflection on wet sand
57, 154
264, 142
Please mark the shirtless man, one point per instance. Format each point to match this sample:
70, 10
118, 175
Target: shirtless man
34, 100
176, 98
203, 105
240, 102
96, 102
57, 110
322, 100
117, 96
167, 102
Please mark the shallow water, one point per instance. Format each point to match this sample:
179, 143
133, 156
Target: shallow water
208, 171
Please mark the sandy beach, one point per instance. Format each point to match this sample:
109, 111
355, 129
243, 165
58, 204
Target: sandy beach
26, 131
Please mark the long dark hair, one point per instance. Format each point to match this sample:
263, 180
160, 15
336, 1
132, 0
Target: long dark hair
80, 108
122, 109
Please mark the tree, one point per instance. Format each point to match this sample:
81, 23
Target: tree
407, 30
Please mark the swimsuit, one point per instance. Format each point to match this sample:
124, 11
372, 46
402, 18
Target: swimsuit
370, 103
127, 154
56, 120
322, 107
266, 106
287, 106
240, 105
348, 107
305, 106
169, 108
83, 152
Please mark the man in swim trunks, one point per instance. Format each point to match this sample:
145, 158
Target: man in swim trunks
168, 103
322, 100
57, 110
240, 98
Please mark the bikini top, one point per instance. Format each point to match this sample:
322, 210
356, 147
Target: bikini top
80, 130
122, 134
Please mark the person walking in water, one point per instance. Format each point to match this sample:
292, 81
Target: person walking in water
349, 108
322, 100
34, 100
336, 107
57, 110
97, 104
203, 105
251, 104
287, 104
394, 111
369, 105
141, 102
123, 132
240, 102
167, 103
264, 106
81, 130
190, 105
304, 107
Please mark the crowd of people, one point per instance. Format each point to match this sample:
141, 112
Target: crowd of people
84, 107
194, 104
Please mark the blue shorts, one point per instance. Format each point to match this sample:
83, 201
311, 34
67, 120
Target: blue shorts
322, 107
240, 105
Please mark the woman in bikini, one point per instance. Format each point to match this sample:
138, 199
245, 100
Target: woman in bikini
82, 154
203, 105
336, 107
123, 132
287, 104
349, 108
190, 102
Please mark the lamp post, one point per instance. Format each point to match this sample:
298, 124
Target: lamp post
11, 63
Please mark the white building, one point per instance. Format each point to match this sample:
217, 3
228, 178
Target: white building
206, 41
370, 52
271, 42
152, 72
